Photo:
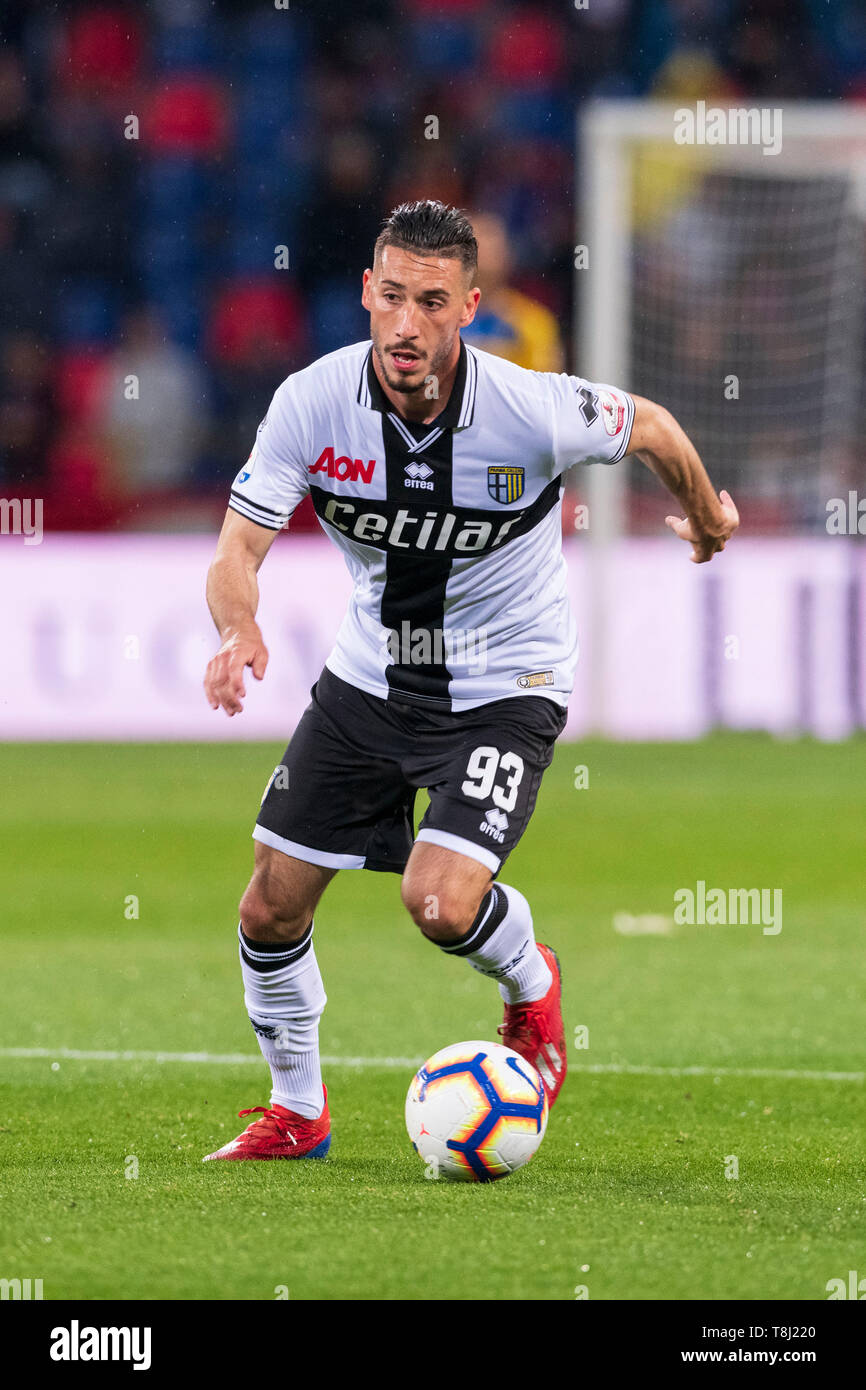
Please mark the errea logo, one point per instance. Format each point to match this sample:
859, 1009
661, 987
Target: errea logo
495, 824
343, 468
418, 475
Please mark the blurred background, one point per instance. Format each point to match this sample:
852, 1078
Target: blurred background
189, 191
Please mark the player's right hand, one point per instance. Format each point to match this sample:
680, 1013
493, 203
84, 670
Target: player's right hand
224, 677
706, 542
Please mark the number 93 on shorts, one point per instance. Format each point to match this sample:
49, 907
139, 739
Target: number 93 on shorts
344, 795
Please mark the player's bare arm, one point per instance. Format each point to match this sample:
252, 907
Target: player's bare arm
663, 445
233, 599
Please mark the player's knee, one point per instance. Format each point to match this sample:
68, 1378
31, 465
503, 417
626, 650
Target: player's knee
441, 913
263, 918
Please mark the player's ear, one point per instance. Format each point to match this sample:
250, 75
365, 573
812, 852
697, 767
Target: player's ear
365, 291
470, 307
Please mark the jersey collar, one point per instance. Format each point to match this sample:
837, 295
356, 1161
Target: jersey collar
459, 411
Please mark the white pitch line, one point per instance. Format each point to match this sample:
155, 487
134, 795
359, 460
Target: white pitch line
74, 1054
71, 1054
772, 1073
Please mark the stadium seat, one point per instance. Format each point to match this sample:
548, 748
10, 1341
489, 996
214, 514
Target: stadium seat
173, 186
187, 47
461, 7
527, 49
100, 49
80, 380
337, 315
259, 180
272, 43
252, 245
444, 46
85, 312
170, 252
247, 310
79, 495
187, 115
181, 310
537, 115
262, 112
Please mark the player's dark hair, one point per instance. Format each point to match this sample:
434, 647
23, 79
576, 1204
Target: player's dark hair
432, 229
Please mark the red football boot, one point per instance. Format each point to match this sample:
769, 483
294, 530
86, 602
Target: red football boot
280, 1133
535, 1030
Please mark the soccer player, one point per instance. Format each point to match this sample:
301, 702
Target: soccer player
437, 470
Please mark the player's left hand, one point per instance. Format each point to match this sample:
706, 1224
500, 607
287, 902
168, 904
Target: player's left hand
707, 542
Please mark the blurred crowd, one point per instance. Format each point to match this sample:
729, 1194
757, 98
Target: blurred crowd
190, 189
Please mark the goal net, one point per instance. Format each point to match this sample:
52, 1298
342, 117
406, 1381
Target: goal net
725, 280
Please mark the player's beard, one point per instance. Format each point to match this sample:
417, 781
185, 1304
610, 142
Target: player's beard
399, 383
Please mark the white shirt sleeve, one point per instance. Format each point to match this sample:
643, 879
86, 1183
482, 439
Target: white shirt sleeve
275, 477
591, 421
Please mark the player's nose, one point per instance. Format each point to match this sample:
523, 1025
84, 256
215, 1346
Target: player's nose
407, 325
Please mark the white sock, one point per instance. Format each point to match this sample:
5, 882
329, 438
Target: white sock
501, 943
284, 995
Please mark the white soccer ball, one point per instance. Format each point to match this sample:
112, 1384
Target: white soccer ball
476, 1111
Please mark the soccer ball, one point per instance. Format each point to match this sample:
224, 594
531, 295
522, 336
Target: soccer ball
476, 1111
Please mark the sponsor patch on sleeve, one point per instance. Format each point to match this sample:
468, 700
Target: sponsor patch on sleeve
612, 411
248, 467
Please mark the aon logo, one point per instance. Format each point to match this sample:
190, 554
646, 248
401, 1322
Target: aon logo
343, 468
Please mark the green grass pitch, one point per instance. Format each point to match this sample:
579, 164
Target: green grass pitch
628, 1196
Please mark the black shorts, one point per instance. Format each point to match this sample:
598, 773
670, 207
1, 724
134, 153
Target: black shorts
344, 794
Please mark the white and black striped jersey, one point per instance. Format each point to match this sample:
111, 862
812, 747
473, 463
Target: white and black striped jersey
451, 530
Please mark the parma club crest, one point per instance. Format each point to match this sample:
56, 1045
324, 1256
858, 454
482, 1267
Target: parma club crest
505, 483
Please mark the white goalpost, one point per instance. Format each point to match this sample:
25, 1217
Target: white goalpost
719, 269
